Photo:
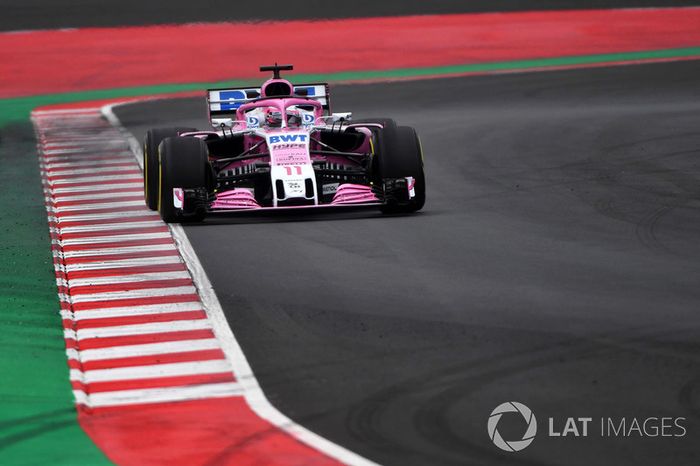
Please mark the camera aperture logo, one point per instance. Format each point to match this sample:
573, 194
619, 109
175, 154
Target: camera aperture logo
528, 436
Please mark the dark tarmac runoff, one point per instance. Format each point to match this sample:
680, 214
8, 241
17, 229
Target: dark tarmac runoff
53, 14
556, 263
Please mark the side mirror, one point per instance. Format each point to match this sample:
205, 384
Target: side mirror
345, 116
219, 122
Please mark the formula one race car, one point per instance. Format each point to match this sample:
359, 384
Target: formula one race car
280, 147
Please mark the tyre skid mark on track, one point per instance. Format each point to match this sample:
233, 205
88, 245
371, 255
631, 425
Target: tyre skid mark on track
136, 329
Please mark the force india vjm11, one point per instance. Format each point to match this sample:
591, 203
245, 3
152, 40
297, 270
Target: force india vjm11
281, 147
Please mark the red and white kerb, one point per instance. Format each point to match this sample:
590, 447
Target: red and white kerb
157, 375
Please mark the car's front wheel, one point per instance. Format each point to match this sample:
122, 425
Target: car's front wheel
398, 166
150, 161
182, 165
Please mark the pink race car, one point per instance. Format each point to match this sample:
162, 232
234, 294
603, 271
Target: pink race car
281, 147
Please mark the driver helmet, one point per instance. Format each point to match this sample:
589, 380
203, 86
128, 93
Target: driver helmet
273, 118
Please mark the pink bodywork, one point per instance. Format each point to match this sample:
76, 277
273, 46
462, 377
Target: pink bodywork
353, 194
280, 104
238, 198
290, 158
347, 195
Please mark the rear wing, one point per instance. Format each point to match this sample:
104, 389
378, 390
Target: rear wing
223, 103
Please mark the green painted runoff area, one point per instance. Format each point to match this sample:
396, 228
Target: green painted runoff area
38, 423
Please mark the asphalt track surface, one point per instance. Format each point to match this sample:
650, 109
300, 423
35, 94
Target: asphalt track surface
555, 264
43, 14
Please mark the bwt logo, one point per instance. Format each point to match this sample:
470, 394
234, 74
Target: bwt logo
288, 138
528, 436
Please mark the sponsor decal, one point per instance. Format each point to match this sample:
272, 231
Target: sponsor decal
230, 100
288, 146
411, 183
178, 198
293, 158
253, 122
308, 119
331, 188
294, 186
289, 149
288, 138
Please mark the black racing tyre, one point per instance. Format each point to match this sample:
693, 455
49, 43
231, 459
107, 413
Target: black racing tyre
389, 125
150, 161
183, 163
399, 155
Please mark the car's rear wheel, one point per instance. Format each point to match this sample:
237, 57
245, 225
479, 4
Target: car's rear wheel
183, 165
150, 161
398, 166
